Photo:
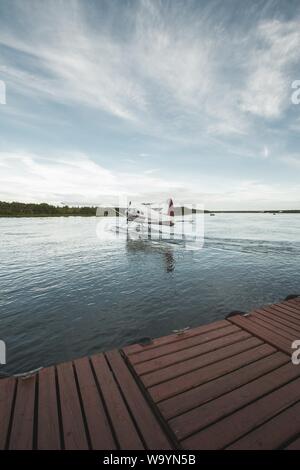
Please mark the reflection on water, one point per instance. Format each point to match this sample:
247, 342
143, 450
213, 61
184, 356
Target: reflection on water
148, 246
66, 293
169, 261
188, 232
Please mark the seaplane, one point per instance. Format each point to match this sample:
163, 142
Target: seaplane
156, 224
144, 214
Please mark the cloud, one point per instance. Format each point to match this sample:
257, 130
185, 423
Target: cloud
195, 84
265, 152
167, 72
276, 49
151, 171
295, 125
72, 178
76, 179
292, 160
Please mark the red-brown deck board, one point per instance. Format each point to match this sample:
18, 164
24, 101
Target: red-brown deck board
89, 403
269, 326
7, 388
48, 430
224, 390
230, 384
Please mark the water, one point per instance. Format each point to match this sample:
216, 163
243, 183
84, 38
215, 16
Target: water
64, 293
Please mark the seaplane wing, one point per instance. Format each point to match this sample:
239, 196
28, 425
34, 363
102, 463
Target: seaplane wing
143, 213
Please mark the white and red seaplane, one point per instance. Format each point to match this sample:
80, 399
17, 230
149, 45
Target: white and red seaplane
149, 222
144, 214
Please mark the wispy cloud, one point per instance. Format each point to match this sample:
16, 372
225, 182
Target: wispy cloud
275, 50
292, 160
180, 81
74, 178
265, 152
169, 73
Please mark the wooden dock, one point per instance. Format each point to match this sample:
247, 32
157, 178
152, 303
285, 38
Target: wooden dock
227, 385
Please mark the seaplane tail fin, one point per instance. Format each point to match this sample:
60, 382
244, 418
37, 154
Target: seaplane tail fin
171, 212
168, 209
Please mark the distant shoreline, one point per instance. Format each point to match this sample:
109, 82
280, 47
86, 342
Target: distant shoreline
51, 216
278, 211
22, 216
20, 209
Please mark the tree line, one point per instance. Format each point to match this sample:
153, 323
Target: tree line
20, 209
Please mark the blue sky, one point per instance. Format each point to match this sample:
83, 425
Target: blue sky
148, 99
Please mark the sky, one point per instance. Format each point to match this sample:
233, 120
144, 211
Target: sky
150, 99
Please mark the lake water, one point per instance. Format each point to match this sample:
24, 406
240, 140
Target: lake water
65, 293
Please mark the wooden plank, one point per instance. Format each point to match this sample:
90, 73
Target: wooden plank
183, 355
193, 379
182, 344
124, 427
153, 435
277, 323
97, 422
198, 362
233, 427
295, 302
201, 417
291, 310
279, 318
295, 445
275, 433
21, 436
289, 313
215, 384
73, 425
136, 348
48, 423
262, 333
284, 311
269, 325
197, 396
7, 389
